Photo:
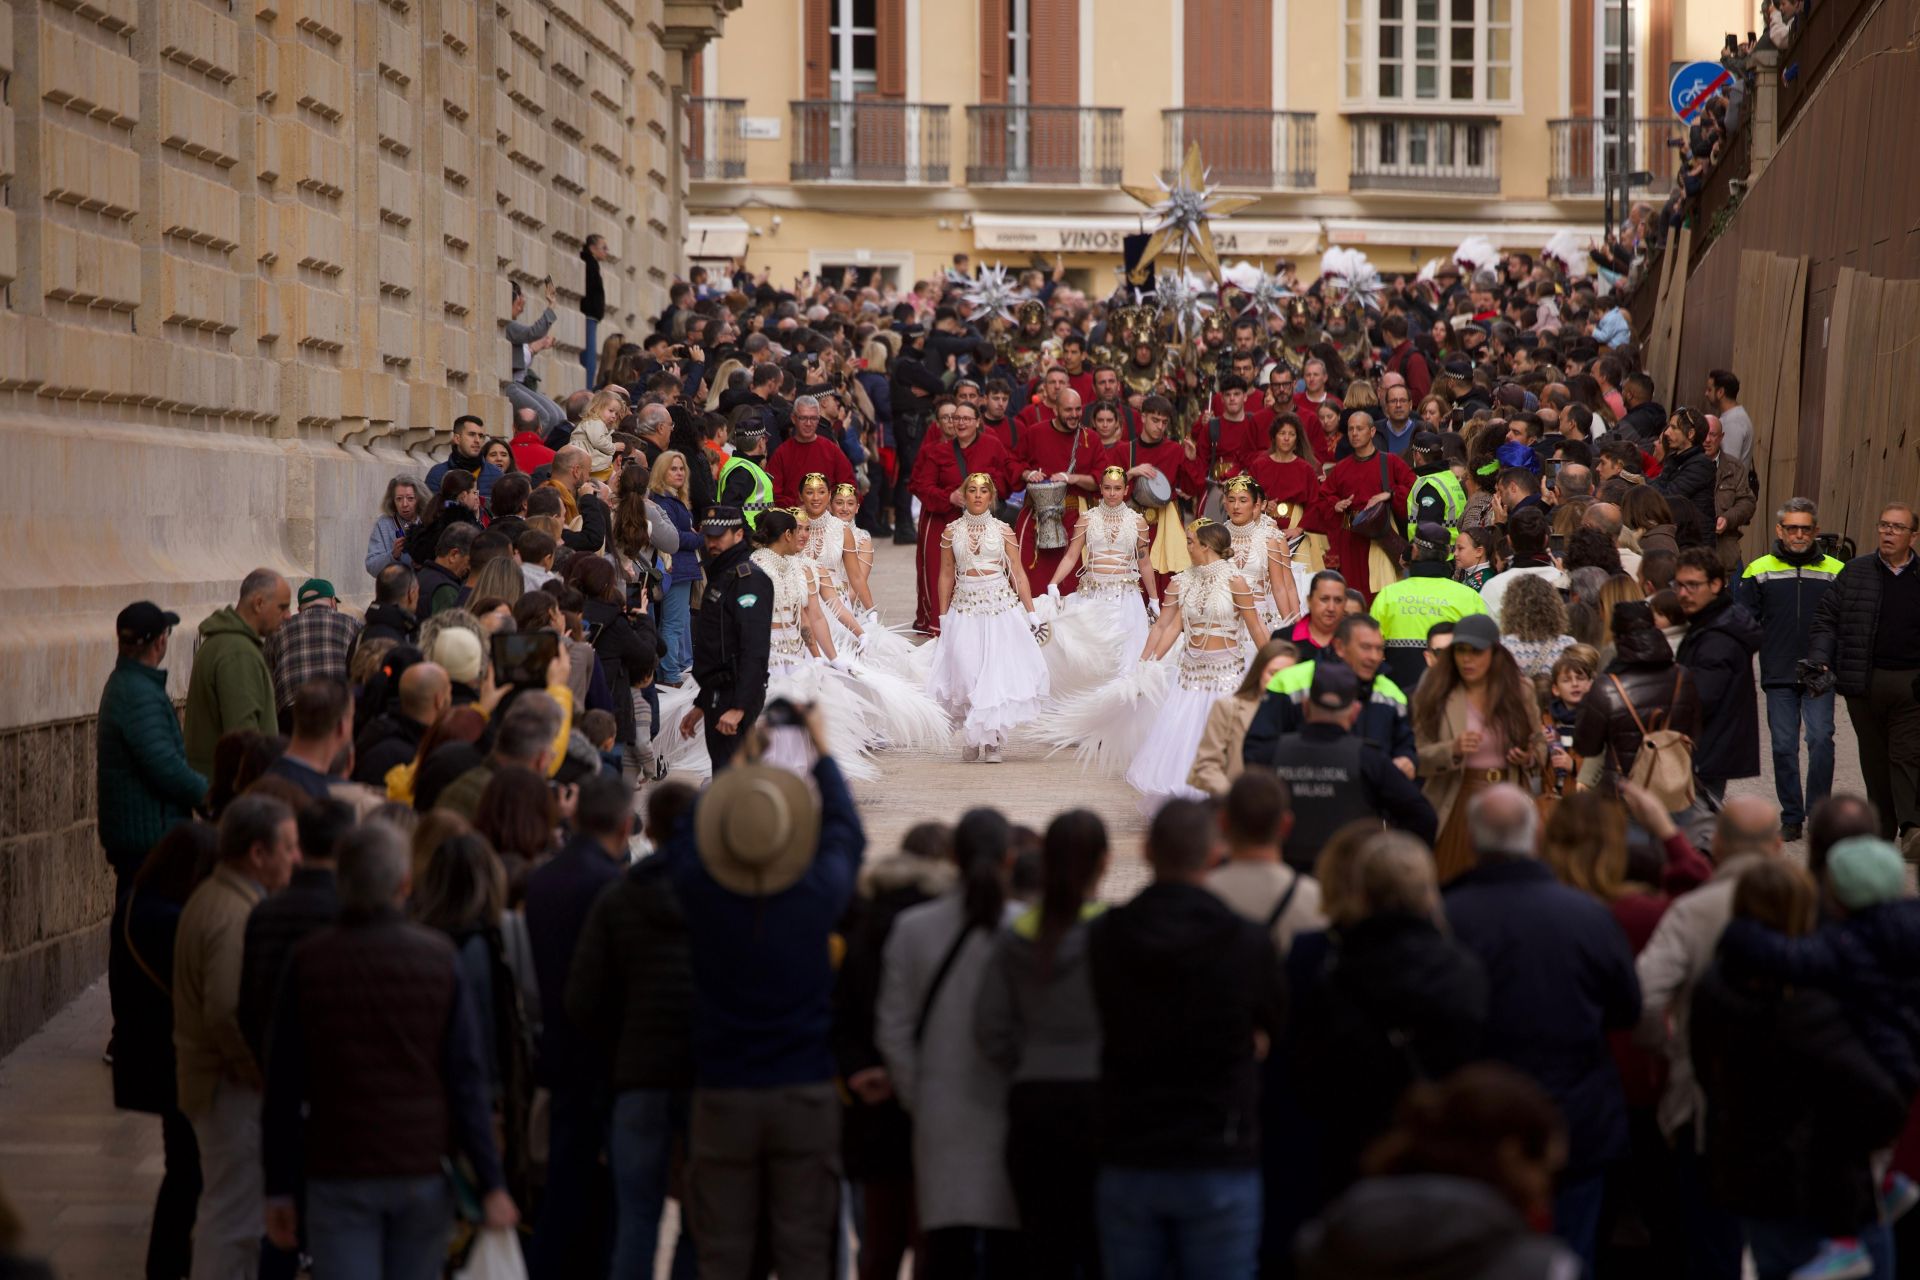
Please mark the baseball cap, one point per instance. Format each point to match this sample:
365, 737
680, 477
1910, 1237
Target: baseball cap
1476, 631
143, 621
316, 589
1334, 687
1864, 870
720, 518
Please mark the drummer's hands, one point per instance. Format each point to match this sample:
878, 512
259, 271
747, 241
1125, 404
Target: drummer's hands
1343, 504
1036, 476
1377, 499
1060, 477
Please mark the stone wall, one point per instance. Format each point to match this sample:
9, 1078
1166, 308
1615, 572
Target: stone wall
255, 257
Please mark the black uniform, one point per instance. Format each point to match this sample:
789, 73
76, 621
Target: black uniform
1337, 777
732, 633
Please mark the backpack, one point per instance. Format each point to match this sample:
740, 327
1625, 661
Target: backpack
1664, 766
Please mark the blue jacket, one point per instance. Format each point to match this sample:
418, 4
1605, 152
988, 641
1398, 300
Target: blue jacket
685, 563
386, 531
144, 784
762, 975
1869, 962
487, 474
1782, 591
1559, 977
559, 895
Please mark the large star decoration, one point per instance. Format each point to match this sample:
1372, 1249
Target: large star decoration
1180, 212
992, 292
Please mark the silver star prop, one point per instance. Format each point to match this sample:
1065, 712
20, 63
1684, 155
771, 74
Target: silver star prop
1269, 296
1179, 212
1346, 275
992, 293
1181, 298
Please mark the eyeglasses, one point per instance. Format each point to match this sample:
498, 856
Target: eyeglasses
1689, 584
1801, 528
1891, 526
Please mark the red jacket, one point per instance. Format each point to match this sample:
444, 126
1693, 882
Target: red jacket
1240, 443
793, 461
1186, 475
528, 453
1407, 361
937, 472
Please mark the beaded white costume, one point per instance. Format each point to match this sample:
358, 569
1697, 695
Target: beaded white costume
826, 547
794, 672
987, 670
1109, 583
1253, 543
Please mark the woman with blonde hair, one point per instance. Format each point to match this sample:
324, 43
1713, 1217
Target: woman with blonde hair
717, 382
1619, 589
402, 504
595, 430
1218, 762
500, 578
609, 354
668, 489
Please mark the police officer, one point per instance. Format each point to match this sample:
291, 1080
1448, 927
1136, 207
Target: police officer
1437, 495
1336, 776
1407, 609
732, 632
744, 483
1383, 720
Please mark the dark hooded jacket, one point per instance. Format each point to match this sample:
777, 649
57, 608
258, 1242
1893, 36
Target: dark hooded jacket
1428, 1227
631, 982
1718, 653
1181, 983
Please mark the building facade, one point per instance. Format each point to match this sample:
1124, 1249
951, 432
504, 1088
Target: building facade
255, 259
889, 135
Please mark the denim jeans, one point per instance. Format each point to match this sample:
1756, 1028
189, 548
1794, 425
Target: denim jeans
640, 1150
379, 1228
1780, 1246
1787, 709
1185, 1222
1576, 1215
590, 353
570, 1236
676, 631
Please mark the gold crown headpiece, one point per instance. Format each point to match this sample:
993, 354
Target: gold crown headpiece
1118, 473
981, 475
846, 488
811, 476
1239, 484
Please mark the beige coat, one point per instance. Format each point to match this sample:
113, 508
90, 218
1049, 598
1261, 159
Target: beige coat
1218, 763
1440, 776
207, 952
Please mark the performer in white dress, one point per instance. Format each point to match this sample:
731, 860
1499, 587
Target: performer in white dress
987, 671
1110, 551
1150, 720
845, 505
1261, 554
831, 546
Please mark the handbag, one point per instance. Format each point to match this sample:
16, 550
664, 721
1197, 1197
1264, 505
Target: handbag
1664, 765
1377, 523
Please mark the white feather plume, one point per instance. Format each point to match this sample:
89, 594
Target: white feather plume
1474, 253
1570, 251
1347, 275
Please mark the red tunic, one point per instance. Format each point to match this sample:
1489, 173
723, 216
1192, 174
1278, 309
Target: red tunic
1359, 479
794, 460
1296, 483
1240, 442
936, 474
1083, 383
1037, 413
1308, 411
1005, 432
1049, 451
1186, 475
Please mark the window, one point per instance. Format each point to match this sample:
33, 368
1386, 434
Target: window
853, 39
1019, 37
1447, 53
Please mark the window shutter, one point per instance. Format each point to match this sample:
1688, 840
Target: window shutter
891, 24
1053, 52
1228, 43
993, 50
818, 50
1583, 97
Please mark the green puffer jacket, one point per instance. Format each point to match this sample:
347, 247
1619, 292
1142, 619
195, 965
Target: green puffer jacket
232, 686
145, 785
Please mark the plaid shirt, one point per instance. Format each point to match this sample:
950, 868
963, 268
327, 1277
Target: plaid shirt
308, 646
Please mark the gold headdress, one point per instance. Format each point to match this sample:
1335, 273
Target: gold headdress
1118, 473
1200, 523
1239, 484
811, 476
853, 489
980, 475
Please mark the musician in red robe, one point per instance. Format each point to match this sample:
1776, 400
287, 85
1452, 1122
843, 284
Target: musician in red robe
1065, 451
1289, 480
1073, 358
942, 466
994, 419
1228, 442
1365, 478
1153, 452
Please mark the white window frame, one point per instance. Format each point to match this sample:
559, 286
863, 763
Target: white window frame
1019, 82
845, 83
1605, 136
1369, 99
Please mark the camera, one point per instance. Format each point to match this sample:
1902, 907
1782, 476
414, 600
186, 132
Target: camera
780, 713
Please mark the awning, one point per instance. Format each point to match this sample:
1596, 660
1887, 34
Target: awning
720, 237
1359, 232
1238, 237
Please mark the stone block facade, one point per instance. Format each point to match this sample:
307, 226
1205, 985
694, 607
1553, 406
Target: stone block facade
255, 258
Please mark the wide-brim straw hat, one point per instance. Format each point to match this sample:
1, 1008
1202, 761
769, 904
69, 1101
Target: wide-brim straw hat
756, 829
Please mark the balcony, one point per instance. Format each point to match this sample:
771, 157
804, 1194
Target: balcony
1043, 146
1414, 153
894, 142
1244, 148
1586, 154
715, 152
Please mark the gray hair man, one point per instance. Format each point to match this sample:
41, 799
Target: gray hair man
232, 685
1559, 979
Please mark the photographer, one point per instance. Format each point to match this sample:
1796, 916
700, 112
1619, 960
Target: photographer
528, 341
621, 630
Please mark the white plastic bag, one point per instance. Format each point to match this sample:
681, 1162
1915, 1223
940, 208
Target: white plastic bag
495, 1256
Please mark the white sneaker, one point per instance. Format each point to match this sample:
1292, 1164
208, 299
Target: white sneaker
969, 754
992, 754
